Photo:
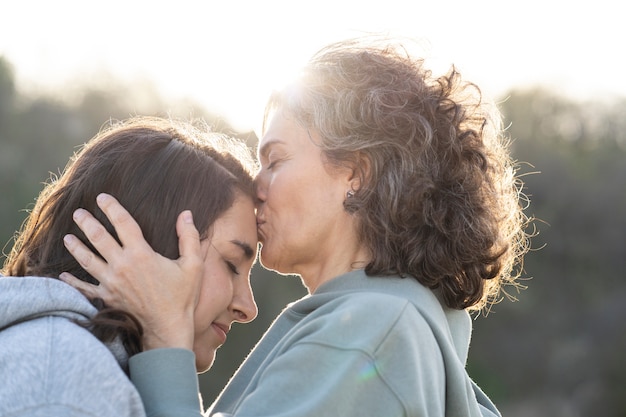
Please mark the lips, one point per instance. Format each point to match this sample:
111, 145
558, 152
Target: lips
221, 330
259, 224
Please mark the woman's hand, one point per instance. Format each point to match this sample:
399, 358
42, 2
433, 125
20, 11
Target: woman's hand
162, 293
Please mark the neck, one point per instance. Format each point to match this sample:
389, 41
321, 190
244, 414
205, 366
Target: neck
316, 274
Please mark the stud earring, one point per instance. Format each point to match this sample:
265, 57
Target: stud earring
350, 193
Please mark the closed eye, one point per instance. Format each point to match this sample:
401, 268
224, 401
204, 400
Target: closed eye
232, 267
272, 164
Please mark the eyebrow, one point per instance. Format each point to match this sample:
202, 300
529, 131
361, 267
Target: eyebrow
264, 150
246, 248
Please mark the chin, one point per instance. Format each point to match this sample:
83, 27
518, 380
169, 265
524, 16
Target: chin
204, 363
267, 261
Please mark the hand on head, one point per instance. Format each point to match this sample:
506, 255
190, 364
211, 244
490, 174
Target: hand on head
132, 275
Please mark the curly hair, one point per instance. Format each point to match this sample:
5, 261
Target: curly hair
156, 168
440, 199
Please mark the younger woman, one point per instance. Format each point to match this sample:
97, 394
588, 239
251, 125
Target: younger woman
64, 355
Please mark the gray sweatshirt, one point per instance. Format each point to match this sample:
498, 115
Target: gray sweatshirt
49, 365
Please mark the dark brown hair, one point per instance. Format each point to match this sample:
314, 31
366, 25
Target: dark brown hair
439, 197
156, 168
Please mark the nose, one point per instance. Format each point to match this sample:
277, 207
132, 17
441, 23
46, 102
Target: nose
243, 306
260, 187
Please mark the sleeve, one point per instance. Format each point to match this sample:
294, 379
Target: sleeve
167, 382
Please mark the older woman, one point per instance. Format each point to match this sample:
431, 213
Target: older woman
392, 194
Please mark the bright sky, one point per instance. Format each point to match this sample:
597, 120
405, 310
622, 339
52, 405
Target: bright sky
228, 55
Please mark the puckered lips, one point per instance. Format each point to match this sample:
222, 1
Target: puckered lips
259, 227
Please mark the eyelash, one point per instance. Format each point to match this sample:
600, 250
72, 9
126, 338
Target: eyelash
232, 267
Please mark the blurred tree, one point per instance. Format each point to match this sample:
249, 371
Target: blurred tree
7, 90
557, 352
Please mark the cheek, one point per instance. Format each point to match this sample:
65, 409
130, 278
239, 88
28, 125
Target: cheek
308, 187
288, 203
214, 298
289, 183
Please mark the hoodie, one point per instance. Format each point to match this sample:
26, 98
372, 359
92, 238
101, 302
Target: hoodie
51, 366
358, 346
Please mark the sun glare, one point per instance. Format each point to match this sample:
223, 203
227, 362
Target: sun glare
228, 56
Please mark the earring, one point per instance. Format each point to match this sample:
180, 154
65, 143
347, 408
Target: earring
350, 193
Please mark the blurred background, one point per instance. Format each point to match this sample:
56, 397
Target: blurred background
553, 68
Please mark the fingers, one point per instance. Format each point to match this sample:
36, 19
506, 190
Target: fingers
85, 257
191, 259
95, 232
188, 235
126, 227
88, 290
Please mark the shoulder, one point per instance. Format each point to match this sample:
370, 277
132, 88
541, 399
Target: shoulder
382, 299
364, 319
371, 309
55, 362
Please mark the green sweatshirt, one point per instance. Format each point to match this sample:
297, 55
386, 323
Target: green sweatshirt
358, 346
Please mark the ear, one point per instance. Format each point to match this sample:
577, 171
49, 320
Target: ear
360, 172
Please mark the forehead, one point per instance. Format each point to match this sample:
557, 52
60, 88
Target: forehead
282, 131
237, 226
